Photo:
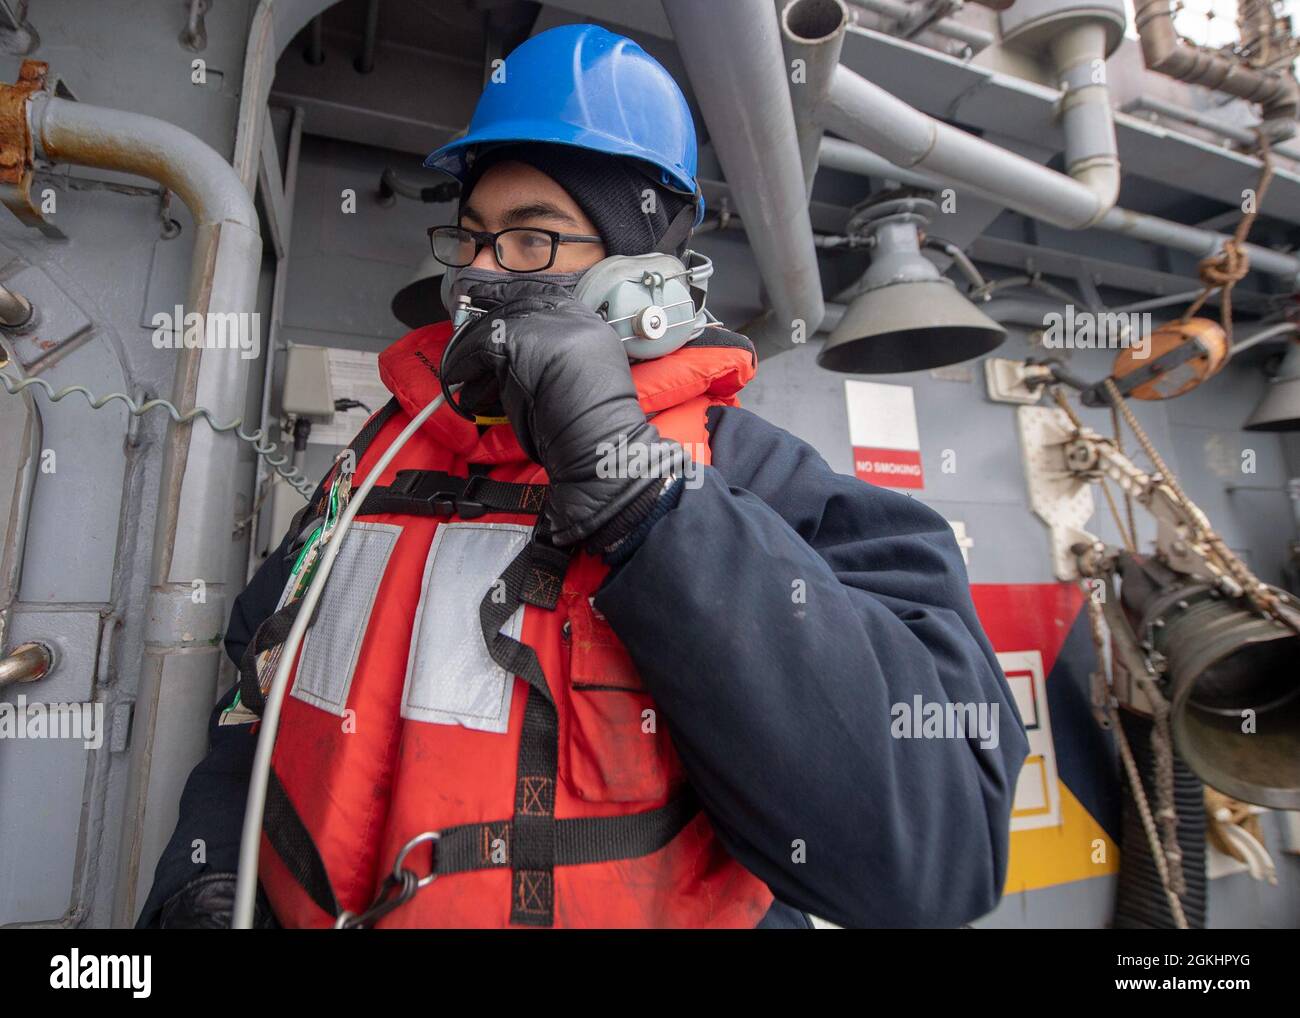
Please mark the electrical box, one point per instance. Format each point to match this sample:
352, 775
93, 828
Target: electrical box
307, 389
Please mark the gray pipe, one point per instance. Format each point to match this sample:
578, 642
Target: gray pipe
842, 101
178, 676
1194, 117
851, 158
899, 11
1091, 152
1272, 332
1244, 136
822, 24
963, 263
732, 53
1196, 241
1158, 302
1020, 311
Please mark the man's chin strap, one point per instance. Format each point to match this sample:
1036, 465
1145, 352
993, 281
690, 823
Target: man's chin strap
678, 232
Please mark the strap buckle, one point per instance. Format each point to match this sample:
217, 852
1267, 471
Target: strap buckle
430, 487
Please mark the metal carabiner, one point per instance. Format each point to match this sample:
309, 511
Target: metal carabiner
398, 888
419, 839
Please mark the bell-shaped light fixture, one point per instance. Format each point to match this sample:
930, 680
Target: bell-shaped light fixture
909, 317
1279, 410
419, 302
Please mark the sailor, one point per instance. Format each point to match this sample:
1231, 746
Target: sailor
542, 692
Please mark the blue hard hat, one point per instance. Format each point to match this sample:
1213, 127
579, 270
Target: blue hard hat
583, 86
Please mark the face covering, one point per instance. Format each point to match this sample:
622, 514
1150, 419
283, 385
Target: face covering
456, 281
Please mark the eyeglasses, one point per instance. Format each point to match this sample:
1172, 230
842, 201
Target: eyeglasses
518, 249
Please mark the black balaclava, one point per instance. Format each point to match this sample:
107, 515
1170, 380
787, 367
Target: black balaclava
608, 188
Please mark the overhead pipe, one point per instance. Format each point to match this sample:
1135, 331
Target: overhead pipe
732, 54
1087, 120
1149, 104
900, 10
1201, 243
837, 99
1244, 136
823, 23
1264, 335
1165, 51
844, 155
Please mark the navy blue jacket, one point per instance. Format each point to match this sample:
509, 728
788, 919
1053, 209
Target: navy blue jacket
776, 612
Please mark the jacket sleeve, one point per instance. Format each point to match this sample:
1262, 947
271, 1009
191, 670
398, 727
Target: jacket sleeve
203, 854
779, 614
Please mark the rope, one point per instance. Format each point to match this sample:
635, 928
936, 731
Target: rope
1163, 843
1128, 499
1130, 542
1258, 595
1229, 267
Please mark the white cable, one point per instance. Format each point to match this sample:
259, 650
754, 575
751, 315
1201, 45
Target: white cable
250, 841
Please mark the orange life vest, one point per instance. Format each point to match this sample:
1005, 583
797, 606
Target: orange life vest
389, 733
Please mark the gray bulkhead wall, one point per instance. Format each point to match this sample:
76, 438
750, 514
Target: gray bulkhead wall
89, 544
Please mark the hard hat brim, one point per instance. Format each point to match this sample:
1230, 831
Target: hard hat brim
454, 158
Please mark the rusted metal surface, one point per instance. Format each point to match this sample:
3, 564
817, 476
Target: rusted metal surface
16, 141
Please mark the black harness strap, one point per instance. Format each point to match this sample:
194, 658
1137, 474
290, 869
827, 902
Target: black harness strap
293, 843
485, 846
591, 839
533, 577
435, 493
273, 631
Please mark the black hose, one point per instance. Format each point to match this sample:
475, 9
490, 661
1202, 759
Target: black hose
1140, 901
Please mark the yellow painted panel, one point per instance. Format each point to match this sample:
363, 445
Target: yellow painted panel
1059, 855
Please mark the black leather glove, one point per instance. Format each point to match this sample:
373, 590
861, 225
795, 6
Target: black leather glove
208, 903
561, 375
